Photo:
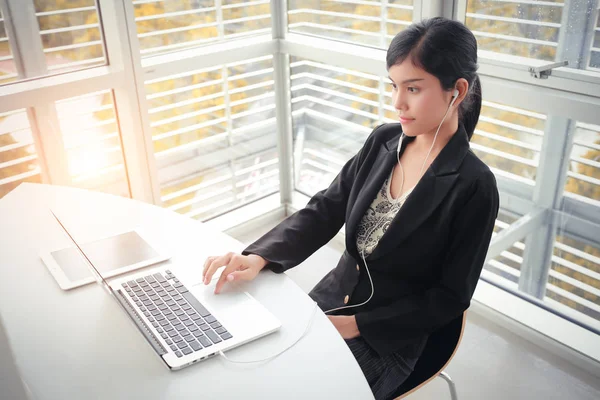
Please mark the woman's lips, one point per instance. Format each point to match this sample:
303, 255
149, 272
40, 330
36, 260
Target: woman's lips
404, 120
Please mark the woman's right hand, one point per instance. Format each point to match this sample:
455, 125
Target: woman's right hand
237, 267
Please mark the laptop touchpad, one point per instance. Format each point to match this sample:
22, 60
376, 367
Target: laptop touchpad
229, 296
231, 307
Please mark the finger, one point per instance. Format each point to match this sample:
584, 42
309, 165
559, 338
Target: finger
206, 264
241, 275
233, 265
215, 264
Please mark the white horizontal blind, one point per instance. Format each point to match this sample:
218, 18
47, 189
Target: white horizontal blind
583, 175
71, 34
509, 141
18, 158
334, 109
169, 25
8, 71
214, 135
368, 22
521, 28
574, 278
92, 140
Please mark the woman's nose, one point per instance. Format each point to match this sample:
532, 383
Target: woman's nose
399, 103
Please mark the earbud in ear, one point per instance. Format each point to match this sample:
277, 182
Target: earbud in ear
454, 97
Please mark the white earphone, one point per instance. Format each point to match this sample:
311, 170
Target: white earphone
454, 97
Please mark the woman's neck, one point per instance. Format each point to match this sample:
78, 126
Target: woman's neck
423, 142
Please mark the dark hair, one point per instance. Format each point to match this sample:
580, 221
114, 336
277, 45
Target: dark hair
448, 50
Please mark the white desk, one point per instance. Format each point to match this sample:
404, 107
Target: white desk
80, 345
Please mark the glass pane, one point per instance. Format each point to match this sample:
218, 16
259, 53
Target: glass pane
594, 58
509, 140
334, 109
92, 140
18, 158
214, 135
165, 26
8, 71
57, 36
572, 286
71, 34
583, 175
527, 30
557, 265
361, 22
574, 278
544, 30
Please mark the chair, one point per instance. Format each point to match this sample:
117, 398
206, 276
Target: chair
438, 352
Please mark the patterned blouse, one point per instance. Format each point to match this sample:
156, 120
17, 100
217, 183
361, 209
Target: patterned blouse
378, 218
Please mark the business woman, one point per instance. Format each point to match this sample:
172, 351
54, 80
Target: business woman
419, 209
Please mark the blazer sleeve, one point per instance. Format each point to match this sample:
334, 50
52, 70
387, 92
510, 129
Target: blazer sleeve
304, 232
388, 329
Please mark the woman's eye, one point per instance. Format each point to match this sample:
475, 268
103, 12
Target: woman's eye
394, 86
412, 89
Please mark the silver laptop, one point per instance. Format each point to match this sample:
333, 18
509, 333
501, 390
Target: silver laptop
185, 322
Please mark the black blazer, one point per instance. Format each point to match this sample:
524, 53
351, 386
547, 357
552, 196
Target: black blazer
427, 264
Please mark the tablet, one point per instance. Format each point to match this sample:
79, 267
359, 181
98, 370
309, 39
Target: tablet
112, 256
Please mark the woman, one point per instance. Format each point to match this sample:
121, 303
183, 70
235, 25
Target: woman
419, 209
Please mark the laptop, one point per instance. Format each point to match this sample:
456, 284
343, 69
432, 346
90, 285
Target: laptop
185, 322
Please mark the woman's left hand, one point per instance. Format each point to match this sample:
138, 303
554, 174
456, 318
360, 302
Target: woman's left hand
346, 325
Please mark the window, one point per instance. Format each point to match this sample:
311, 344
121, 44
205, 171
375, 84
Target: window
170, 25
92, 142
594, 62
526, 29
18, 156
509, 140
51, 36
574, 278
8, 71
537, 30
333, 111
372, 23
583, 174
214, 136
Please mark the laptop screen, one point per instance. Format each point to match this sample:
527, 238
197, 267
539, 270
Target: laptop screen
93, 269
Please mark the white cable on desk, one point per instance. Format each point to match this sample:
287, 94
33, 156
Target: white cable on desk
312, 315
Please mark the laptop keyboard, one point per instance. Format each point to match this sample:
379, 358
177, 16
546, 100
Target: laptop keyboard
180, 319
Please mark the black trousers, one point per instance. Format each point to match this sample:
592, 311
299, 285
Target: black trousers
384, 374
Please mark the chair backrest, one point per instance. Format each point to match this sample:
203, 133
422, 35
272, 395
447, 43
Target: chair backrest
439, 350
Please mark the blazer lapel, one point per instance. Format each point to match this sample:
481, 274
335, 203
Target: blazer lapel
427, 195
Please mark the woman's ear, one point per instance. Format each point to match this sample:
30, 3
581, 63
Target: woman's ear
463, 89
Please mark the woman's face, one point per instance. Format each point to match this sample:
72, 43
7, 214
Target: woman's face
419, 100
